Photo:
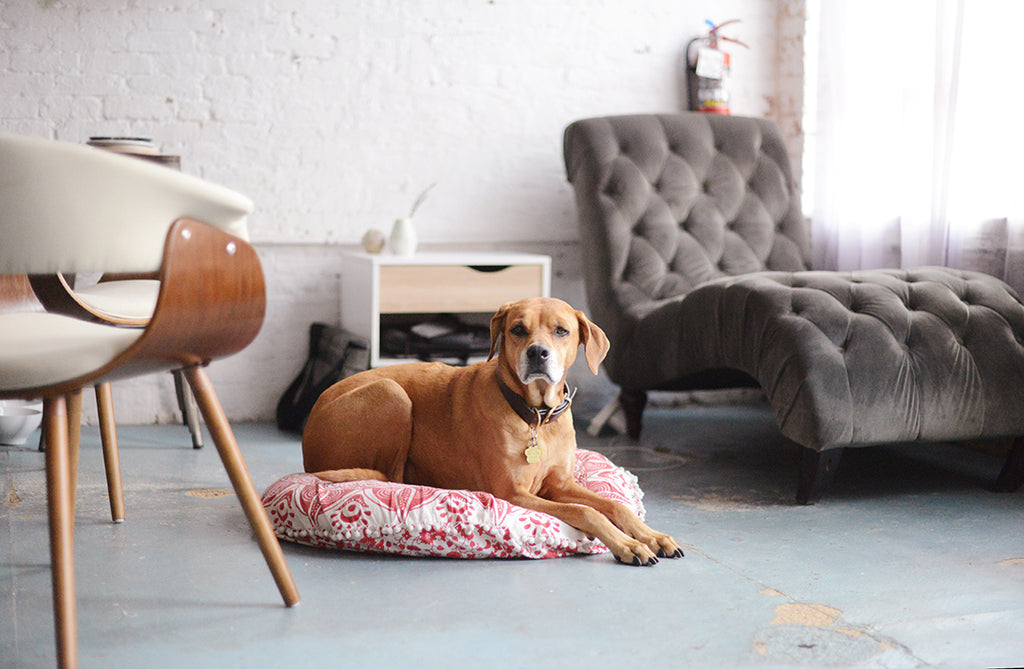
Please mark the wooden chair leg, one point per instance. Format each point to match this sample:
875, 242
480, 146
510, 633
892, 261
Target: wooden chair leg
189, 410
238, 472
111, 457
69, 407
74, 439
817, 468
60, 500
1012, 475
633, 403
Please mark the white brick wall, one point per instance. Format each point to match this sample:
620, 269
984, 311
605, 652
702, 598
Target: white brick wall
333, 114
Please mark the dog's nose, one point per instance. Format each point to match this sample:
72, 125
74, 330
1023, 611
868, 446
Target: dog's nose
537, 353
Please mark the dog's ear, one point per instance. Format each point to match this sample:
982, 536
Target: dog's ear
497, 325
594, 341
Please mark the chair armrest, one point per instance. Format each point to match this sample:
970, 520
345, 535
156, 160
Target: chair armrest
211, 304
57, 296
212, 296
211, 291
16, 294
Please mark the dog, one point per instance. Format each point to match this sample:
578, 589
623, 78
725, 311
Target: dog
502, 426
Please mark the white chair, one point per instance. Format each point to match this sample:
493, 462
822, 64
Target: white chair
128, 302
67, 208
124, 300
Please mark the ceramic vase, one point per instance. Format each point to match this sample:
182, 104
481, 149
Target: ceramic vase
403, 239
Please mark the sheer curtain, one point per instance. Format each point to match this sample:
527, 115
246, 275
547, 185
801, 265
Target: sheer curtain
917, 150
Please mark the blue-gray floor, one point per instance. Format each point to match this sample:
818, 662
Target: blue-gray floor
907, 562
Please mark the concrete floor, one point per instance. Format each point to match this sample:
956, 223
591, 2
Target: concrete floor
907, 562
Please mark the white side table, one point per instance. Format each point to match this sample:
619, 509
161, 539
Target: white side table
373, 286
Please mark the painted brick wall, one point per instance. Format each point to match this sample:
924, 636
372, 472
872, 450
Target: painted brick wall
334, 114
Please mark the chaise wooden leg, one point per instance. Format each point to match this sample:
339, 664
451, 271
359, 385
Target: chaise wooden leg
60, 501
816, 471
111, 458
1012, 475
633, 403
238, 472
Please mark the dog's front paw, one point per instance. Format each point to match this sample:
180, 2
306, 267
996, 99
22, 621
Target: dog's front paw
645, 547
665, 546
660, 543
636, 554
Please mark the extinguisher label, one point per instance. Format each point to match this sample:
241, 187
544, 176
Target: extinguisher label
710, 63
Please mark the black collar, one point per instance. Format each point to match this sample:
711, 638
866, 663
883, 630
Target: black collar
534, 415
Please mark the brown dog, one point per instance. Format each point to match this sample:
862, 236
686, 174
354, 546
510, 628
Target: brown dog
501, 426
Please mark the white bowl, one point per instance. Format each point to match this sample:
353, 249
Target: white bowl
18, 420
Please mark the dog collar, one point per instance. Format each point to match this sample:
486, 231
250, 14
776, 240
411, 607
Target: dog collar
534, 415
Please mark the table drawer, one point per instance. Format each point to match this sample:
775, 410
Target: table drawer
455, 288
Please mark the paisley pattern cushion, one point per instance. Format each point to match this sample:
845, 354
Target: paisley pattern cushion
380, 517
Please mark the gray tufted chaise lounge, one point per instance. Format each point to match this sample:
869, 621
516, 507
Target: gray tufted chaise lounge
695, 263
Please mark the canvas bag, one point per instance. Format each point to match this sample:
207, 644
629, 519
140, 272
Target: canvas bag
334, 353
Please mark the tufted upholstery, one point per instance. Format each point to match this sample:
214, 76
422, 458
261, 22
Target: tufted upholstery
669, 202
695, 261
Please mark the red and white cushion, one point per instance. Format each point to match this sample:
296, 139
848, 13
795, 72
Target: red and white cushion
380, 517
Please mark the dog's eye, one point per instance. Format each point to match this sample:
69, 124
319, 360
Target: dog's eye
518, 331
560, 331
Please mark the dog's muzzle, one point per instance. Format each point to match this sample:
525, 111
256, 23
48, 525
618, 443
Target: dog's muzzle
539, 362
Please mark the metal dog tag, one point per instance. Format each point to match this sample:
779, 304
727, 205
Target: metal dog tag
534, 453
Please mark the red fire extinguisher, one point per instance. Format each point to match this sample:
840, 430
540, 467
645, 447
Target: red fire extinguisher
707, 70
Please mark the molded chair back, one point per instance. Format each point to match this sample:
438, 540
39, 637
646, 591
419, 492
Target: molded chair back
72, 208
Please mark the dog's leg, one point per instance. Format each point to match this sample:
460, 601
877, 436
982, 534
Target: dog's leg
662, 544
361, 434
346, 475
593, 523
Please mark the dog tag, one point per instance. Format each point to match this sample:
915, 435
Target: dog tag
533, 453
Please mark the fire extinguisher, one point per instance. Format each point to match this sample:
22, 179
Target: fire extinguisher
707, 70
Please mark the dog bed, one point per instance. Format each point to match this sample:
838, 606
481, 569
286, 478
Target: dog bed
380, 517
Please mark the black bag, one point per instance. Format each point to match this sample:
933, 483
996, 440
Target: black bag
334, 354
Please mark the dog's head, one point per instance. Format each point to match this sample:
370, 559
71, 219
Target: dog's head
537, 339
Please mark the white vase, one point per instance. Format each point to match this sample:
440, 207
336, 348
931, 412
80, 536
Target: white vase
403, 237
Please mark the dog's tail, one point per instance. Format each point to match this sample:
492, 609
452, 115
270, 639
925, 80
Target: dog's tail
345, 475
